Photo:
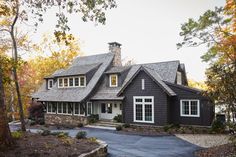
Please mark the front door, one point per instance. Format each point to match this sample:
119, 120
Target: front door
107, 111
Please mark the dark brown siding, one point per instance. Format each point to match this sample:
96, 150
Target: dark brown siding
151, 89
206, 108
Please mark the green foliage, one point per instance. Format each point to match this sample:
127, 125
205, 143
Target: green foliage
62, 134
80, 125
81, 134
16, 134
126, 125
93, 118
118, 118
118, 128
218, 127
93, 139
45, 132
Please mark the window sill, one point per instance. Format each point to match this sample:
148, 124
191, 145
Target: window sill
138, 121
194, 116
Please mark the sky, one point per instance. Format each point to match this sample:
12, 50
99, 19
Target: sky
147, 29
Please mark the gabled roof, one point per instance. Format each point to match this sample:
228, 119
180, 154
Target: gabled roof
77, 70
77, 94
151, 72
166, 70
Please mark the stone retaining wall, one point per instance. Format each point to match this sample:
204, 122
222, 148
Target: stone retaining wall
54, 119
101, 151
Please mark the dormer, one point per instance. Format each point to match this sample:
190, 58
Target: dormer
179, 78
115, 76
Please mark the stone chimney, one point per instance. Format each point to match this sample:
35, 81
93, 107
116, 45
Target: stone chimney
115, 48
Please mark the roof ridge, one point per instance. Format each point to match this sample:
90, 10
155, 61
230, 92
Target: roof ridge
158, 62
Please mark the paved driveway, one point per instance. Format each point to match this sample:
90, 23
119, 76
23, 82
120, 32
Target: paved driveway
121, 145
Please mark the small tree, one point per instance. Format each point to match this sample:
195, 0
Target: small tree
5, 135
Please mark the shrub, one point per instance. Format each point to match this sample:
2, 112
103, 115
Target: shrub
126, 125
81, 134
80, 125
118, 118
93, 139
118, 128
16, 134
93, 118
63, 134
32, 122
217, 126
36, 112
45, 132
166, 128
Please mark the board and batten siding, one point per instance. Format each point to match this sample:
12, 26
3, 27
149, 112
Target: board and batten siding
206, 108
151, 89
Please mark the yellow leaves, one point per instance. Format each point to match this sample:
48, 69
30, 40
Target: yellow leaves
198, 85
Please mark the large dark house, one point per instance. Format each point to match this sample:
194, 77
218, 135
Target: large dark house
154, 93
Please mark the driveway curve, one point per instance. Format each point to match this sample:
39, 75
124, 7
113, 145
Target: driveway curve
123, 145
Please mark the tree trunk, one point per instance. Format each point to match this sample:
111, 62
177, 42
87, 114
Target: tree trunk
5, 134
15, 68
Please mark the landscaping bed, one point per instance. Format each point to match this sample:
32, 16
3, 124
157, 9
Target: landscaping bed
226, 150
40, 145
166, 130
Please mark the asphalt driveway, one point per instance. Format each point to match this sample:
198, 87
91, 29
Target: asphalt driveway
122, 145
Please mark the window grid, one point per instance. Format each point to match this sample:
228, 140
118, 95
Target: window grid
113, 80
143, 109
190, 108
69, 82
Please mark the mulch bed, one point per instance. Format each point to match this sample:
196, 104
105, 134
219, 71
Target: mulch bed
226, 150
36, 145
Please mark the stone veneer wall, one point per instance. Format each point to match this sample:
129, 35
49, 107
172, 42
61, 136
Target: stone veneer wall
53, 119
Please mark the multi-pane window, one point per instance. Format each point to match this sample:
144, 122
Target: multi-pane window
76, 108
82, 81
51, 107
50, 83
89, 108
113, 80
72, 82
143, 109
76, 81
65, 82
60, 82
189, 108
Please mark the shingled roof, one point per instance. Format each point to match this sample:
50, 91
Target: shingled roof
77, 94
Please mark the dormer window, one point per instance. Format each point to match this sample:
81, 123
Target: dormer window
50, 83
179, 78
82, 81
68, 82
113, 80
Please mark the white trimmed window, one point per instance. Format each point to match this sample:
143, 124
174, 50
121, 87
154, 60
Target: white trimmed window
179, 78
113, 79
51, 107
189, 108
78, 109
89, 108
143, 109
82, 81
50, 83
65, 108
60, 82
69, 82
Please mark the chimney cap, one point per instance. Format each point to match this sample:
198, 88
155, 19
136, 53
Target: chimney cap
114, 44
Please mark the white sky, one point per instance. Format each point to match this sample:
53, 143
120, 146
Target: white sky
147, 29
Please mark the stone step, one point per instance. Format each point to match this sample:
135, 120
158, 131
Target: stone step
109, 122
105, 125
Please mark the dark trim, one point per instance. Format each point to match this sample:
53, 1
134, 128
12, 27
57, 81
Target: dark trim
194, 90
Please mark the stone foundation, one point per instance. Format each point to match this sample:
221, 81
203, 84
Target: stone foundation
54, 119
